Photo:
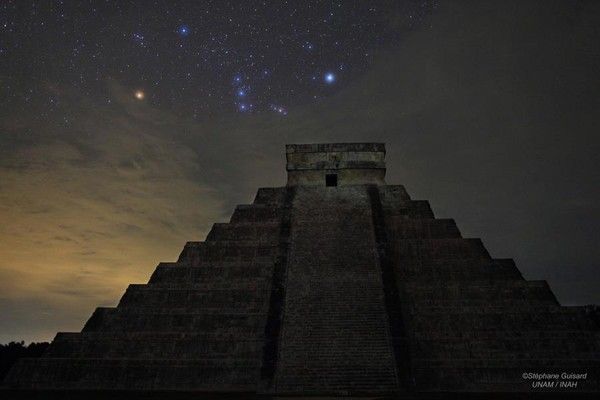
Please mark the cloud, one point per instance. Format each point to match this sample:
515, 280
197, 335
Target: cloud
84, 215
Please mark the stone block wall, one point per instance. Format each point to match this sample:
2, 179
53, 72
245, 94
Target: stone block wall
313, 290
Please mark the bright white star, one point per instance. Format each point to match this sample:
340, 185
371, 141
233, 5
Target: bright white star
183, 30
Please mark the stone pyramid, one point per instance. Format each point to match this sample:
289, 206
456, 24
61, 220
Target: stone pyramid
334, 284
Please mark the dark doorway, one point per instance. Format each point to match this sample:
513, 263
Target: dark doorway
331, 180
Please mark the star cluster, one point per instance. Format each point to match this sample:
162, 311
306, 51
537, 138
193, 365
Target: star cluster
197, 58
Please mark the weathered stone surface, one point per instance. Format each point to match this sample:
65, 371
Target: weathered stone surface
335, 334
352, 288
345, 163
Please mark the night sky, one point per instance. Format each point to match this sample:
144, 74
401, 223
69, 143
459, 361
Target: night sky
197, 59
128, 128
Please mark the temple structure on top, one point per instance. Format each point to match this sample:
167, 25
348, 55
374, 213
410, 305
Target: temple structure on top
335, 284
335, 164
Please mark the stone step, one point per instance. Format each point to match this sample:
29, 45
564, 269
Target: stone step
331, 286
332, 356
270, 196
319, 329
468, 336
540, 309
217, 273
218, 283
225, 321
153, 345
537, 353
320, 342
267, 233
343, 377
462, 269
427, 321
393, 196
526, 346
403, 228
327, 305
426, 250
201, 253
228, 374
256, 213
470, 293
507, 304
249, 297
418, 209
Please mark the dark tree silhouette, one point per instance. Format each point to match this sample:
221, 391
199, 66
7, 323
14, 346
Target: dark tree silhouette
10, 353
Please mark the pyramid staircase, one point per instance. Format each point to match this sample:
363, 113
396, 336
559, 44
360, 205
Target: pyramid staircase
354, 289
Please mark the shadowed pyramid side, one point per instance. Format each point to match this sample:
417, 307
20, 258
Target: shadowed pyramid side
198, 324
475, 324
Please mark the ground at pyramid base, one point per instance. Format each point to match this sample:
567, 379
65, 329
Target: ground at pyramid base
336, 284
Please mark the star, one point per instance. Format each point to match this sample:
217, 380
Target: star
183, 30
236, 54
279, 109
